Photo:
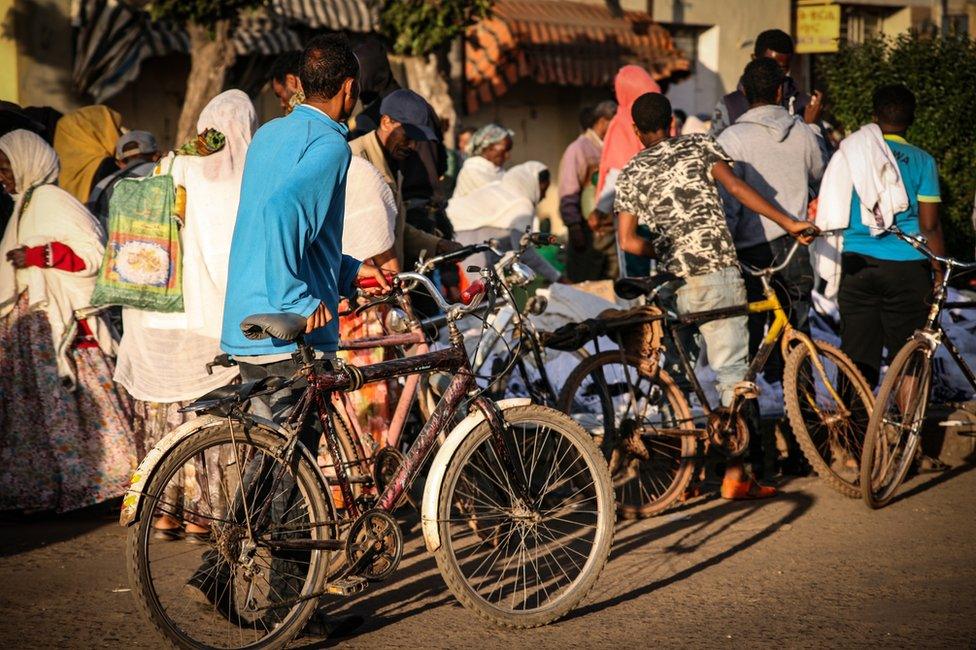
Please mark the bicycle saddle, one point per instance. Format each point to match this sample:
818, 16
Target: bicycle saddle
630, 288
285, 327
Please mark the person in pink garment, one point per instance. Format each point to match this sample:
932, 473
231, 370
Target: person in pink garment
619, 146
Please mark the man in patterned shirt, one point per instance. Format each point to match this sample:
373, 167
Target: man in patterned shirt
670, 188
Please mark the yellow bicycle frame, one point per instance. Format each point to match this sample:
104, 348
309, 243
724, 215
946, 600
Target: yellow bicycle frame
781, 328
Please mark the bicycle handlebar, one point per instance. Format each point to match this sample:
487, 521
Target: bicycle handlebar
920, 244
469, 303
753, 271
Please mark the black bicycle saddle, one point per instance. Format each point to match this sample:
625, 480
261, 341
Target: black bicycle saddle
284, 327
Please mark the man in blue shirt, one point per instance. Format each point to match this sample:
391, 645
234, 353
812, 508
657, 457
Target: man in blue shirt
286, 257
885, 283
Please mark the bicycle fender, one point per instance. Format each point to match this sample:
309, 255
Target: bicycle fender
132, 501
435, 479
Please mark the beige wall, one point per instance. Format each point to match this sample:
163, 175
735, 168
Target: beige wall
738, 22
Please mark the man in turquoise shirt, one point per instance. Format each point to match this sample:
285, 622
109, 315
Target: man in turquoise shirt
286, 257
885, 283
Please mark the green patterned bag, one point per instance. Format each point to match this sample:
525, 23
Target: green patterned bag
143, 265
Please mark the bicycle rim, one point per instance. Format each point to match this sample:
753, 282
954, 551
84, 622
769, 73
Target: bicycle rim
228, 589
624, 407
830, 433
519, 563
896, 426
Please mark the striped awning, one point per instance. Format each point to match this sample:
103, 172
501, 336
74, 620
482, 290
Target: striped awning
112, 38
561, 42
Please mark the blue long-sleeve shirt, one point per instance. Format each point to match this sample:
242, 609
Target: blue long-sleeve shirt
286, 253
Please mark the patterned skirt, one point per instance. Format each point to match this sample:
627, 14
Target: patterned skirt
196, 493
59, 449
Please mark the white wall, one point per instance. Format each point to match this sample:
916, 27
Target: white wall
701, 91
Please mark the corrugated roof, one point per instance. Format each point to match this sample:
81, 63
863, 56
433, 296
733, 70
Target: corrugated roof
561, 42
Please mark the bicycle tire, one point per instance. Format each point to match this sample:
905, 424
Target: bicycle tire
675, 483
818, 449
592, 465
140, 567
912, 352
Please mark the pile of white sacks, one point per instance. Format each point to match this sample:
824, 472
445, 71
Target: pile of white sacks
567, 304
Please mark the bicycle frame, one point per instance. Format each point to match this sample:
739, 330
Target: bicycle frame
780, 331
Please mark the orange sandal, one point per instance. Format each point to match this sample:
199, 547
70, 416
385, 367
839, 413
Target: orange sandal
746, 490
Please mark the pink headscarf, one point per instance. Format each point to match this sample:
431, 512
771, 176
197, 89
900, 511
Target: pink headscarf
621, 143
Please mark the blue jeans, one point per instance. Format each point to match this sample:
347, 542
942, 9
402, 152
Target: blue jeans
727, 339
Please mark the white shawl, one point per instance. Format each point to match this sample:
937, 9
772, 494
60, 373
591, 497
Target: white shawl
163, 357
476, 172
509, 203
864, 164
51, 215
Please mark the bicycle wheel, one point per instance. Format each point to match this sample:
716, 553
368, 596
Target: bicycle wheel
231, 589
524, 563
610, 395
895, 428
831, 435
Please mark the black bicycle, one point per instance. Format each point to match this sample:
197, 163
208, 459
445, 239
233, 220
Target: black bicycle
895, 428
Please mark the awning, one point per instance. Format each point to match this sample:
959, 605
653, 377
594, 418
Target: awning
112, 39
561, 42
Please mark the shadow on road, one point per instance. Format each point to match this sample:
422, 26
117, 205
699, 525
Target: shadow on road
420, 587
695, 532
37, 530
936, 480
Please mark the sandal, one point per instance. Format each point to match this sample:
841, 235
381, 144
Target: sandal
167, 534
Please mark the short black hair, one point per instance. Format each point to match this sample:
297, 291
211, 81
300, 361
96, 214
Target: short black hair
544, 176
894, 105
327, 61
774, 39
762, 78
680, 115
586, 117
286, 64
652, 112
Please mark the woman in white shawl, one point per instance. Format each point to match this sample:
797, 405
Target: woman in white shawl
489, 149
65, 437
163, 357
502, 210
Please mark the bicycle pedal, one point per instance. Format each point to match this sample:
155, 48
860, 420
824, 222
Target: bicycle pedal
346, 586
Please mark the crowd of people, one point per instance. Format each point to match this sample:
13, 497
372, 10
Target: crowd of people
285, 216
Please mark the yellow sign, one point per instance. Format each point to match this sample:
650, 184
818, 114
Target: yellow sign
817, 28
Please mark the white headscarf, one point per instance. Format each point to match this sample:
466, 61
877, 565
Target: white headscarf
476, 172
50, 215
369, 223
509, 203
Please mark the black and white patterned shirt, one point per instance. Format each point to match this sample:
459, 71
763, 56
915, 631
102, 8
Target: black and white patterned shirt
669, 188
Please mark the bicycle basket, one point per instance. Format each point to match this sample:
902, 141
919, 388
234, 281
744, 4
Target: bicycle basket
639, 331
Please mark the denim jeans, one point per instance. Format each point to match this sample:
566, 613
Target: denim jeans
727, 339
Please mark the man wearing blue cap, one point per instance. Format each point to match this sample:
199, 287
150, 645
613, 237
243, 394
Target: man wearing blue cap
404, 121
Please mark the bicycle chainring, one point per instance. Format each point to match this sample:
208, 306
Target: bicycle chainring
386, 462
374, 545
730, 438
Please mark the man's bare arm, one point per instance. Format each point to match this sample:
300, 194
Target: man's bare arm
628, 238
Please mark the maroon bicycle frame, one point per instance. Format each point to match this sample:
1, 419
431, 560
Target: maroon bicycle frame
322, 383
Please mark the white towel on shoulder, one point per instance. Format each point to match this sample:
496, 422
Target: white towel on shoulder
866, 164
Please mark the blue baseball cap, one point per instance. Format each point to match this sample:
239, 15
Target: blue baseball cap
412, 111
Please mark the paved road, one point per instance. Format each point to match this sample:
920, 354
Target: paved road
807, 569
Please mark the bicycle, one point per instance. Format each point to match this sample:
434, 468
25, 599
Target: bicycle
646, 427
894, 431
509, 330
517, 508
